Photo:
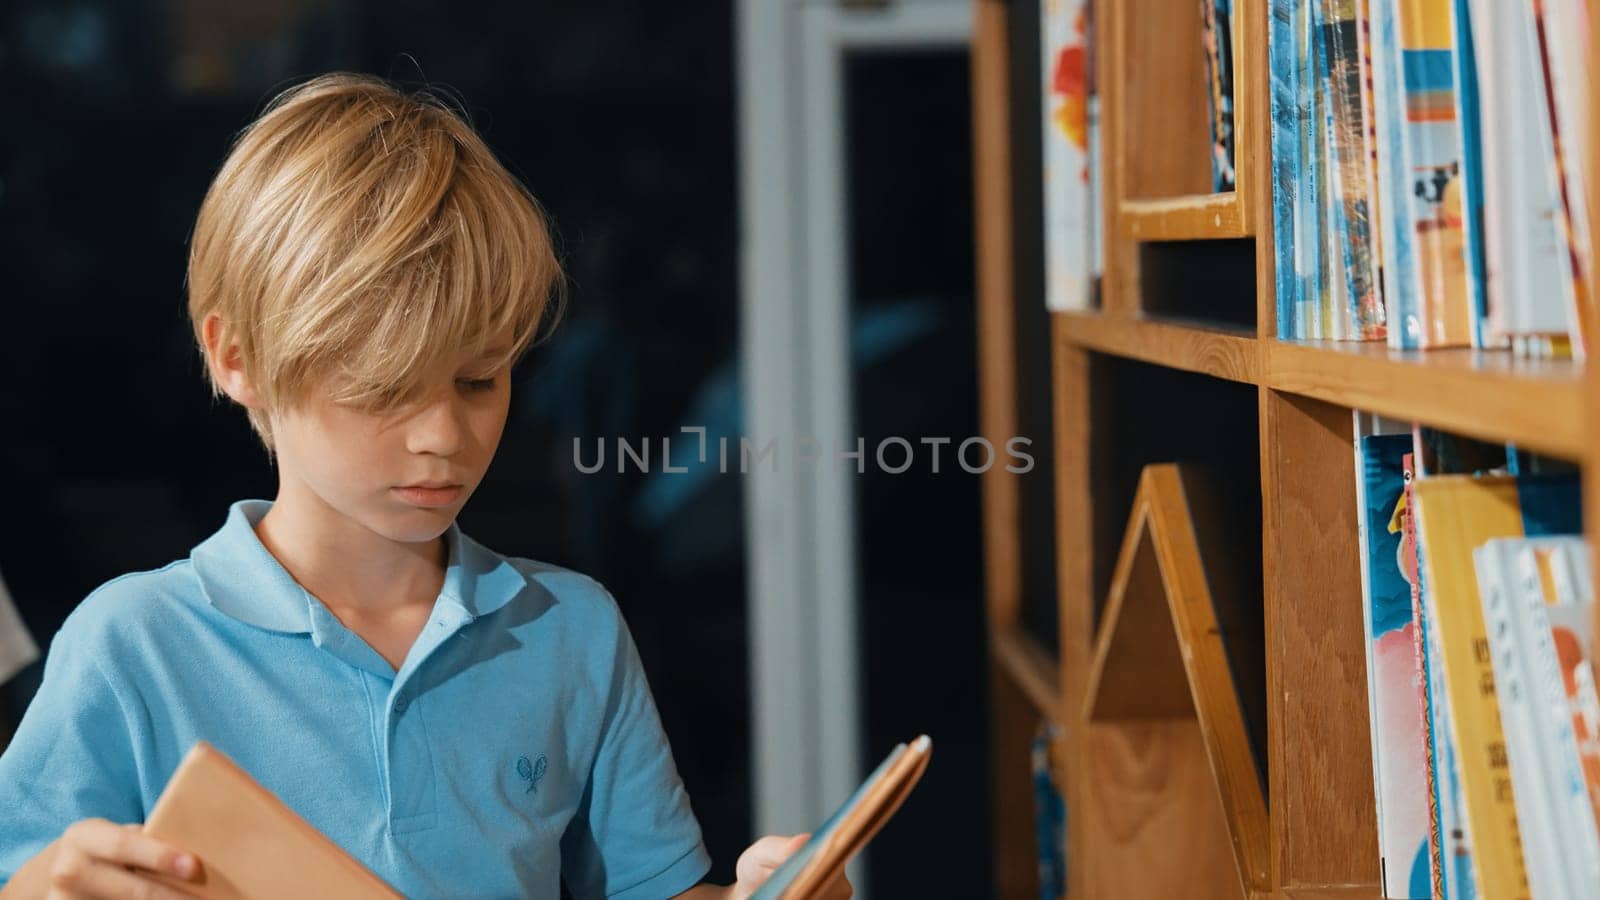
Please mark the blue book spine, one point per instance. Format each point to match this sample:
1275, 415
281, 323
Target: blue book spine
1394, 189
1285, 135
1466, 78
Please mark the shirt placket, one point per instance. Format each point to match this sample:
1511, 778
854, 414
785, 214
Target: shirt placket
405, 759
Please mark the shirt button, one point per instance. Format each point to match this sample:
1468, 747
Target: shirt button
400, 705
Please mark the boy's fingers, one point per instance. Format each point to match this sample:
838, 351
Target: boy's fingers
129, 845
767, 854
99, 879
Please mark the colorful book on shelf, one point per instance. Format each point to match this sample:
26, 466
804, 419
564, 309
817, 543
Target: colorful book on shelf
1359, 315
1464, 70
1432, 148
249, 843
1435, 728
822, 858
1285, 114
1369, 146
1308, 193
1397, 261
1049, 812
1396, 698
1333, 310
1528, 266
1070, 204
1456, 514
1217, 36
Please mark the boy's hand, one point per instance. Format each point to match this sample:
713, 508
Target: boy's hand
758, 861
100, 859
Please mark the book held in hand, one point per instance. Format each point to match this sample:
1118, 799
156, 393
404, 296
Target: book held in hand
819, 861
249, 843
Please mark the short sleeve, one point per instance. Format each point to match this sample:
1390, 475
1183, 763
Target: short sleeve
71, 758
634, 836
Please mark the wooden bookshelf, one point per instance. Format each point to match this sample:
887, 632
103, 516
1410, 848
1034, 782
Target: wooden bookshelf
1138, 776
1183, 218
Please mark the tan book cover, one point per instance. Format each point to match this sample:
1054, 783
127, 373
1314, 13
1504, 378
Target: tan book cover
250, 845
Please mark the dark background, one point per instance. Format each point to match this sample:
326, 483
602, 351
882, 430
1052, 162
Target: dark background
620, 117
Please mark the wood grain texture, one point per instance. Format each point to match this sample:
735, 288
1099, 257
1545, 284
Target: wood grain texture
1332, 892
1231, 355
1538, 404
1015, 841
1075, 576
997, 384
1486, 394
1119, 284
1155, 826
1012, 716
1251, 122
1324, 825
1160, 88
1254, 145
1138, 670
1161, 655
1197, 217
1030, 668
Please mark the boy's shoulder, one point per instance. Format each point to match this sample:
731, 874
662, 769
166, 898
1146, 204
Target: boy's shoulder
583, 596
134, 602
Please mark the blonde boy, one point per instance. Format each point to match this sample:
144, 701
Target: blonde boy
362, 276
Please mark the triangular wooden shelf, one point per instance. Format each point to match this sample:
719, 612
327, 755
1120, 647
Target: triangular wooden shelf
1159, 659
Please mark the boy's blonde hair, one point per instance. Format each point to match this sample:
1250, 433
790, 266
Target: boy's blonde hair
358, 237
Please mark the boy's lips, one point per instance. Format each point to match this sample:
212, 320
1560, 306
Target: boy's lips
430, 496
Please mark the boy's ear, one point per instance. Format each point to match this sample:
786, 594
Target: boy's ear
226, 362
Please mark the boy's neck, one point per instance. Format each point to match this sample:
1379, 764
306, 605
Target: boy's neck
355, 572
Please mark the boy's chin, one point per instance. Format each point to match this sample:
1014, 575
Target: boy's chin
414, 524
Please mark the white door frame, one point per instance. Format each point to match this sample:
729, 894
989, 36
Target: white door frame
795, 363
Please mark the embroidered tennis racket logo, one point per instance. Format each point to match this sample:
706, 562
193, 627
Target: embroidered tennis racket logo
532, 773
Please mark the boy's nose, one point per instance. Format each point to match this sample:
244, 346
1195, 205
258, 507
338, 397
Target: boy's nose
438, 427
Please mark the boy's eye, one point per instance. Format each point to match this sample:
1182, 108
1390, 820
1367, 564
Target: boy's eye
477, 384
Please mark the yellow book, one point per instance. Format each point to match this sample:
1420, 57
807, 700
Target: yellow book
1455, 515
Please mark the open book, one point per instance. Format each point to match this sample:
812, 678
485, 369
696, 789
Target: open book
820, 860
250, 845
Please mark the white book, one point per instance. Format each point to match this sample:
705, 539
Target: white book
1554, 598
1512, 646
1528, 268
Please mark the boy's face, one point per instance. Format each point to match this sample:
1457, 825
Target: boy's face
386, 471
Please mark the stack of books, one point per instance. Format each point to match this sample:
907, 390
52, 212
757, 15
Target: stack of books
1484, 714
1428, 172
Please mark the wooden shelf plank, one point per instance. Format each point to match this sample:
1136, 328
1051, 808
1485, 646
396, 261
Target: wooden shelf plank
1192, 217
1030, 668
1331, 892
1484, 394
1232, 355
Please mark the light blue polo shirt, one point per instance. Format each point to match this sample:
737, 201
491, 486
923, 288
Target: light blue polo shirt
517, 746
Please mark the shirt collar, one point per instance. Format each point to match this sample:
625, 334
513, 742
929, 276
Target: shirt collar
242, 579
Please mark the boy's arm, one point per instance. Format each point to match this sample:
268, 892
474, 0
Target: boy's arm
72, 758
634, 835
